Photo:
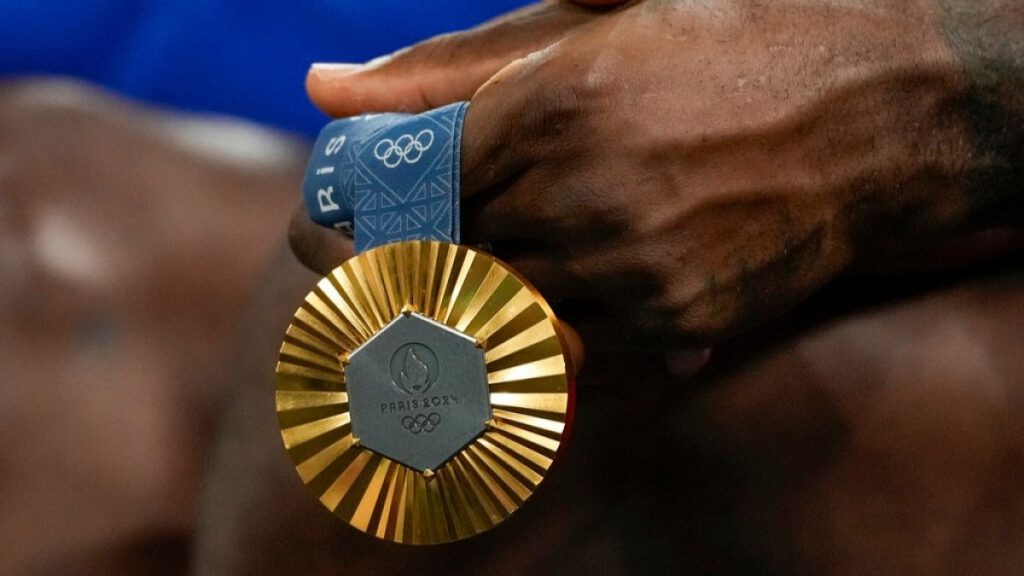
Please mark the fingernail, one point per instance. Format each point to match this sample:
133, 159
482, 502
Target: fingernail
334, 69
379, 61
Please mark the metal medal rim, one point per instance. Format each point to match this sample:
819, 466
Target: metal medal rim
530, 386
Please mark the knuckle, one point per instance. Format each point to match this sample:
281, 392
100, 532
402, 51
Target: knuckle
446, 48
669, 309
434, 52
571, 90
556, 108
699, 319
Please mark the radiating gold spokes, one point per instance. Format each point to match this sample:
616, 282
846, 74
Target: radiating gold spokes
527, 372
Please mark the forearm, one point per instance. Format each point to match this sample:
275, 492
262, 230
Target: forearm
987, 38
945, 133
886, 136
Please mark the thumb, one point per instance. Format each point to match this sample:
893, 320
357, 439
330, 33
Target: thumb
444, 69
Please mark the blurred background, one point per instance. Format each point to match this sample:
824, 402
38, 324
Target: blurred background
246, 59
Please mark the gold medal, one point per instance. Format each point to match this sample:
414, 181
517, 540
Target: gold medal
423, 392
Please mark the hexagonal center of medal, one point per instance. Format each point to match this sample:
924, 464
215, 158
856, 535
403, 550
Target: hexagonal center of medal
417, 392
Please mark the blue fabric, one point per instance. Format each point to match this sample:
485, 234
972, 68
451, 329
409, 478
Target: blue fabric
391, 177
247, 58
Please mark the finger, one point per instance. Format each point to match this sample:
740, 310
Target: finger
598, 328
519, 119
556, 200
318, 248
606, 329
441, 70
549, 273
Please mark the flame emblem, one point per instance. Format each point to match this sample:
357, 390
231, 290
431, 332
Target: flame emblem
416, 369
415, 374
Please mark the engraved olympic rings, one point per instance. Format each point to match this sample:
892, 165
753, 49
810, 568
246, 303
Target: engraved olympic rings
421, 422
406, 148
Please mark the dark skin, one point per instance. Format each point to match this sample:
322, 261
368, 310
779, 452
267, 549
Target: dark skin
854, 438
888, 442
673, 173
840, 440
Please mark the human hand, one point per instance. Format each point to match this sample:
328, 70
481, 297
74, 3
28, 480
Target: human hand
686, 172
439, 71
447, 68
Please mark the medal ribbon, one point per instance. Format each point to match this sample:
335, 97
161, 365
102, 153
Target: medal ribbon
388, 177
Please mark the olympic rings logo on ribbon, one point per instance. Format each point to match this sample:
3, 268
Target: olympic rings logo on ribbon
421, 423
406, 148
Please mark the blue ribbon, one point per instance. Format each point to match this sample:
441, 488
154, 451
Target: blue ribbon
389, 177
